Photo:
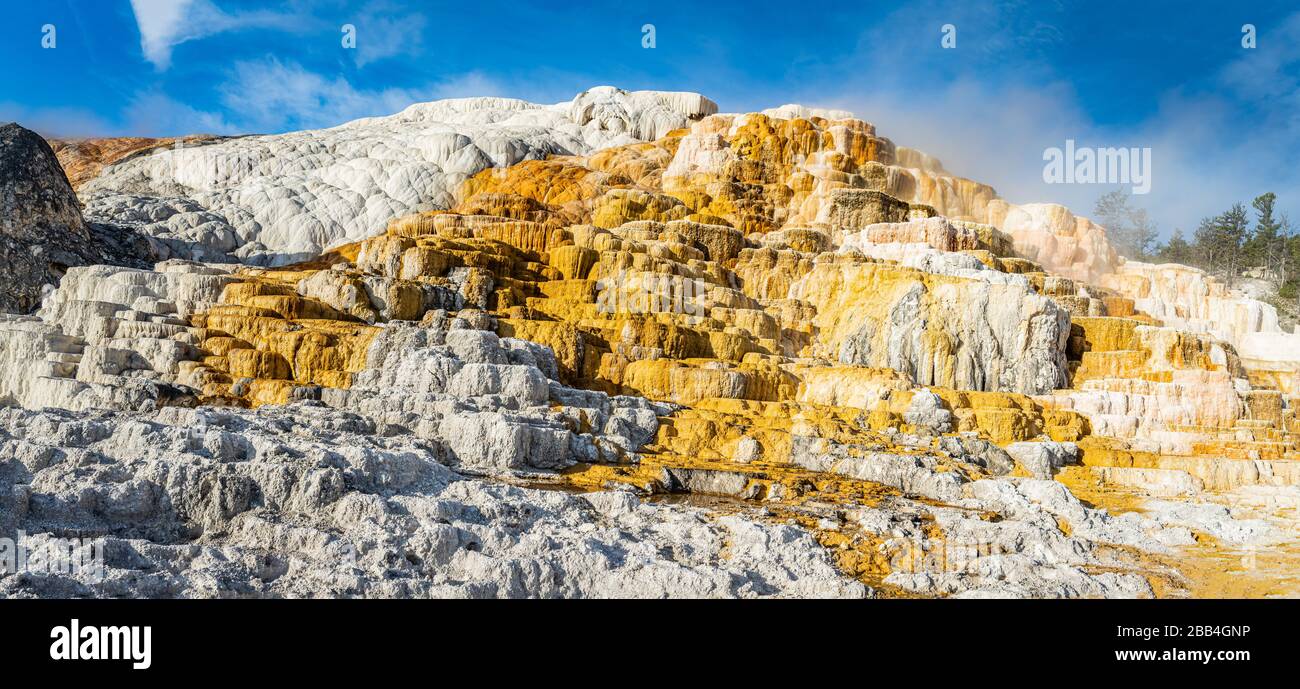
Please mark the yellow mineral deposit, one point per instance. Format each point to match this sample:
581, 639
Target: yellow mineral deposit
712, 269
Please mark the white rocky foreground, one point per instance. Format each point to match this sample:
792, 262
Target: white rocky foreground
305, 500
309, 501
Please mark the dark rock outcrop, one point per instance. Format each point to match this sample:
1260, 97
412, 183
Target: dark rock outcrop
42, 232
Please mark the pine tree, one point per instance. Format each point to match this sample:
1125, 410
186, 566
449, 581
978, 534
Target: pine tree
1220, 243
1128, 228
1265, 247
1233, 228
1205, 246
1290, 257
1176, 250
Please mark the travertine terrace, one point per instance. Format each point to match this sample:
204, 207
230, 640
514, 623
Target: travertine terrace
629, 346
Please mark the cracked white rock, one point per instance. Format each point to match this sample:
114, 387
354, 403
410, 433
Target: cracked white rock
307, 501
271, 200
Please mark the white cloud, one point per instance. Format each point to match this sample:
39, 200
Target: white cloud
54, 122
269, 95
468, 85
1268, 71
383, 33
272, 96
153, 113
165, 24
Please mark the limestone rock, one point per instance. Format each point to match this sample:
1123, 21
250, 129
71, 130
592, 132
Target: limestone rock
1042, 459
926, 411
962, 333
341, 511
871, 371
278, 199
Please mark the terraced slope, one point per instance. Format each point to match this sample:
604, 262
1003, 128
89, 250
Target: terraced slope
772, 354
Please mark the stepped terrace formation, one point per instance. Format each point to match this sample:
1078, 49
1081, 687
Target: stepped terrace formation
630, 346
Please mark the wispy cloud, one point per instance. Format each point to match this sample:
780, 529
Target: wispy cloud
990, 133
1263, 71
257, 97
468, 85
384, 31
271, 96
54, 122
154, 112
165, 24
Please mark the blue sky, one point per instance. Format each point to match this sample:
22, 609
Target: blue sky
1223, 122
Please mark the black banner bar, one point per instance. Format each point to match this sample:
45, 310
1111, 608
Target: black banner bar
188, 639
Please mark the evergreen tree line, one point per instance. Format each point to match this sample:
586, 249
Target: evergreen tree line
1224, 245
